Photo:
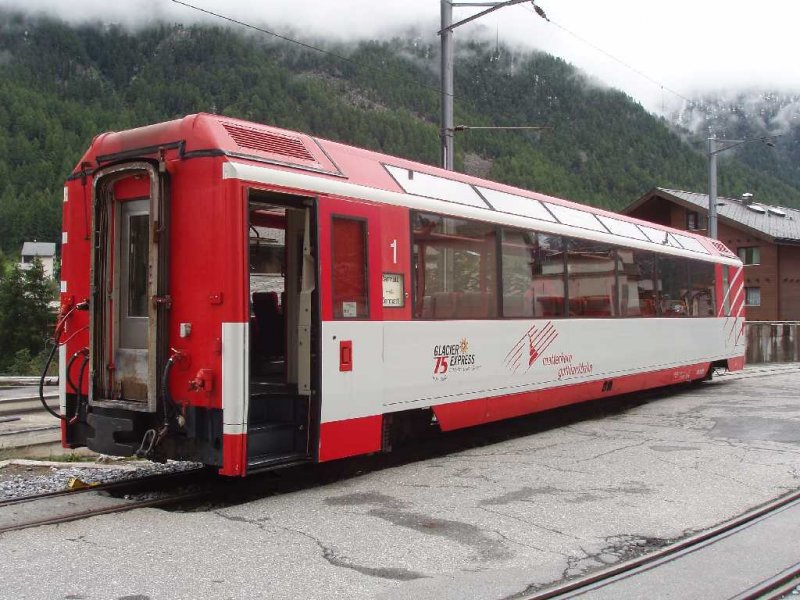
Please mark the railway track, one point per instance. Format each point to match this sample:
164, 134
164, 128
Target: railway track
609, 582
113, 497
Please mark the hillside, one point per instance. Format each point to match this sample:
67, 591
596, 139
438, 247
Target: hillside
61, 85
746, 115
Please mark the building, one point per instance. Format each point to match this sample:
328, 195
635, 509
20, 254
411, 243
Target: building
44, 251
766, 238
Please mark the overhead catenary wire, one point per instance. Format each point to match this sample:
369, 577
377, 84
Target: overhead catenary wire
609, 55
308, 46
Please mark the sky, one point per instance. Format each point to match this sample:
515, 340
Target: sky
670, 49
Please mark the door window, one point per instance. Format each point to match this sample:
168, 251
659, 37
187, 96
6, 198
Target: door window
350, 289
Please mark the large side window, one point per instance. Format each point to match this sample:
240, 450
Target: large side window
591, 275
350, 289
700, 300
520, 250
637, 283
673, 274
549, 291
455, 263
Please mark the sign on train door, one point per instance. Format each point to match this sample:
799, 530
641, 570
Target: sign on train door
128, 276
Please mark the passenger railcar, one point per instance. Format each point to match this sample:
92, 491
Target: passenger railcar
251, 297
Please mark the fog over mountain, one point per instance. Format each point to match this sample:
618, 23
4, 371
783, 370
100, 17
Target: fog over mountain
659, 53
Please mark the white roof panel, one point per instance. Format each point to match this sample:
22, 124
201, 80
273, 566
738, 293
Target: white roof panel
431, 186
516, 205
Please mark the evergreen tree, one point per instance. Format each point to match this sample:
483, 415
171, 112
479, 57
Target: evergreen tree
25, 317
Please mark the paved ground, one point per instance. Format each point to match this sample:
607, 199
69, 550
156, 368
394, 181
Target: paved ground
486, 522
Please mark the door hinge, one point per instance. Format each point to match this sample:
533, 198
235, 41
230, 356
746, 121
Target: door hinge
165, 301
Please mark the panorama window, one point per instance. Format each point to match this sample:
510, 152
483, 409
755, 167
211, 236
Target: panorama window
700, 300
591, 276
455, 264
533, 275
637, 283
673, 276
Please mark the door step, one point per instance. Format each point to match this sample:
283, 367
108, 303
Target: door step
274, 461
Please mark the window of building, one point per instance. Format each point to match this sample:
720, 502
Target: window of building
750, 255
752, 296
695, 221
455, 263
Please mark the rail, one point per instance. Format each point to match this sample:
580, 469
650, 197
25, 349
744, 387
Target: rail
636, 566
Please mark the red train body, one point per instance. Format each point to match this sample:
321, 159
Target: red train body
258, 297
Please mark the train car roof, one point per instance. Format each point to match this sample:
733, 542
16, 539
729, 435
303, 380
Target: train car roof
322, 160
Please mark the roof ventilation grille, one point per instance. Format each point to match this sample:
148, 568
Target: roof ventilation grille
747, 198
270, 143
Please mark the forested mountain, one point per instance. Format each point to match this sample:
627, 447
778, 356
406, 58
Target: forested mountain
750, 115
61, 85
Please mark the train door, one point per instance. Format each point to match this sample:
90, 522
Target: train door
283, 268
127, 305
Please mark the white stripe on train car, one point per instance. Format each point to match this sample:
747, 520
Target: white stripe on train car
62, 379
316, 184
428, 363
235, 369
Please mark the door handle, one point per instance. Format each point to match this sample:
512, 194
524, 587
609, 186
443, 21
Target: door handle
346, 355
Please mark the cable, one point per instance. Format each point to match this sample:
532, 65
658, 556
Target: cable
308, 46
81, 373
44, 375
609, 55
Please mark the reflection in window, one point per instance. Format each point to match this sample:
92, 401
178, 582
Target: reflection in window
549, 291
637, 283
520, 250
700, 296
592, 279
674, 278
455, 265
138, 247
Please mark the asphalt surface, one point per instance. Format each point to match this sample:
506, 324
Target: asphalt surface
486, 522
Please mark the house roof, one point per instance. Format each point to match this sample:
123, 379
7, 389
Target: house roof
776, 223
38, 249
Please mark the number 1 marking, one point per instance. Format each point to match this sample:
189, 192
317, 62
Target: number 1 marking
393, 246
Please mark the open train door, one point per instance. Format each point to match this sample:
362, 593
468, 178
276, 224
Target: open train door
127, 305
282, 413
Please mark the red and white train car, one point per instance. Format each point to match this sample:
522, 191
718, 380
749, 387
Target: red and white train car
255, 297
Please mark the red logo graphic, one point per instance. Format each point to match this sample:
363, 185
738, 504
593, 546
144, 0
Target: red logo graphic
535, 341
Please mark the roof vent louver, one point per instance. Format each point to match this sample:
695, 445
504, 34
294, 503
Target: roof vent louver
757, 208
271, 143
776, 211
747, 198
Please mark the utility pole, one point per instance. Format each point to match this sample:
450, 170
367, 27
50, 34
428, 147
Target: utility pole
713, 150
712, 188
446, 133
446, 32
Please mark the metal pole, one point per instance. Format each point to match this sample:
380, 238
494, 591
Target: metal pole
712, 188
446, 133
